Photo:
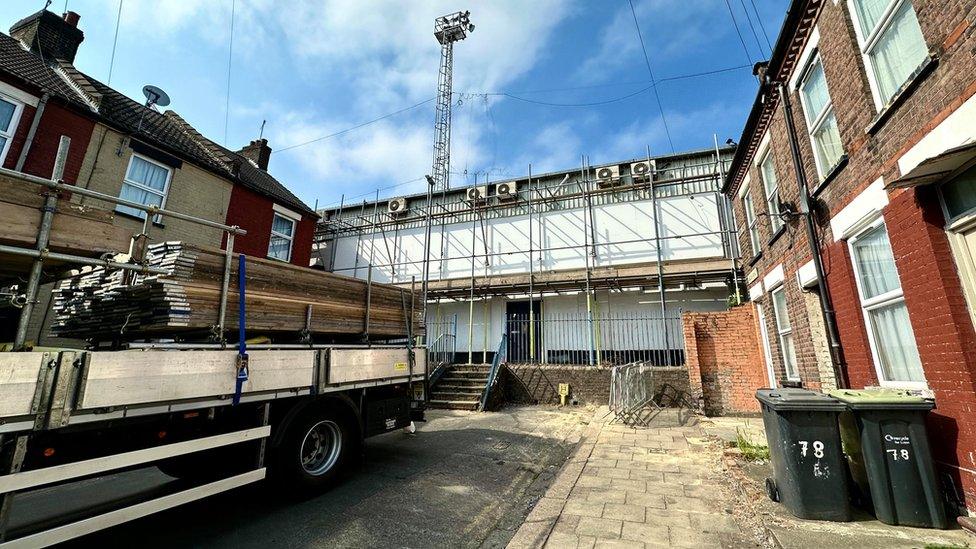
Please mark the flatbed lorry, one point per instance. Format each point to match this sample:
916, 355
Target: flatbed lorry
300, 417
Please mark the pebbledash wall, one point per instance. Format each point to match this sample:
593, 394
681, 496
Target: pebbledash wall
873, 185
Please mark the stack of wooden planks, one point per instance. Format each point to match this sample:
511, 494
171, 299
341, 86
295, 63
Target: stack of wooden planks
102, 305
77, 229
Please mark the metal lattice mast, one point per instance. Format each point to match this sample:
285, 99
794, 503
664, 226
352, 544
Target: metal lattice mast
441, 169
447, 30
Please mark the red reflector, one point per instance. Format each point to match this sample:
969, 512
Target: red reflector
161, 434
188, 415
48, 452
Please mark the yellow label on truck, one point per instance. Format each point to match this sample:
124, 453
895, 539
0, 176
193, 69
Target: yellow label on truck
400, 366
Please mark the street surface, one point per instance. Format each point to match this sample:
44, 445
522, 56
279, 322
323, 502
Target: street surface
466, 479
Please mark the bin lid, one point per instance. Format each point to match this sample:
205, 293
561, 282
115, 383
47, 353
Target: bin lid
789, 398
864, 399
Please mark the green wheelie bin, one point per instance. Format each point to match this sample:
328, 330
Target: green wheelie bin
888, 450
809, 470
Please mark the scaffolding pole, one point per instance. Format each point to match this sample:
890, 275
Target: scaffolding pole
586, 256
655, 213
531, 274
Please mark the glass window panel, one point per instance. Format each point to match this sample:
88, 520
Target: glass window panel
895, 343
869, 13
789, 356
779, 307
7, 110
827, 139
815, 95
875, 263
959, 194
899, 51
142, 196
769, 174
282, 225
147, 173
3, 143
279, 248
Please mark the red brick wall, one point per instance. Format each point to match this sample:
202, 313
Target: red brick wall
942, 325
254, 213
724, 357
57, 120
850, 320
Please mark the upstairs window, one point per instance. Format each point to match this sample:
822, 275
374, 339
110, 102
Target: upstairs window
891, 43
767, 170
146, 182
9, 117
282, 235
752, 224
821, 121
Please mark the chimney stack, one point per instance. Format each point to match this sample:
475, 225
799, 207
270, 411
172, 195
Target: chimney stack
49, 35
258, 152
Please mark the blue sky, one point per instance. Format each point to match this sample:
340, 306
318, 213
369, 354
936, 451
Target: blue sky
316, 67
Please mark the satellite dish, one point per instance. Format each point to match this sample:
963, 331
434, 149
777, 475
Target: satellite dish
155, 96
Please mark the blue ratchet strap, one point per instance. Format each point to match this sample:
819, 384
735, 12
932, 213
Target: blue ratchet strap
242, 360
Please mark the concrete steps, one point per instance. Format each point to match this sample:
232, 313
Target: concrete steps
460, 387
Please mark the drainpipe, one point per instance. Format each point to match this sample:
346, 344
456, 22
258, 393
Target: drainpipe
826, 304
38, 112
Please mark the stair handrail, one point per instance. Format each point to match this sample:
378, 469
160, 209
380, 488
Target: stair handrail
439, 356
496, 362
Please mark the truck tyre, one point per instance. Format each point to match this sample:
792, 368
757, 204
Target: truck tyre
317, 446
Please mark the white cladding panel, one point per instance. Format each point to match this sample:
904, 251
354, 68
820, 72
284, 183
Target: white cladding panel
623, 233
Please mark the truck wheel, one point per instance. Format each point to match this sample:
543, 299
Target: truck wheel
317, 446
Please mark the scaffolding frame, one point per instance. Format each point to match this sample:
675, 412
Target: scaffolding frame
663, 181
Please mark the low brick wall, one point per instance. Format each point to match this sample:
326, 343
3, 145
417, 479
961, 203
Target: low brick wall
724, 357
539, 383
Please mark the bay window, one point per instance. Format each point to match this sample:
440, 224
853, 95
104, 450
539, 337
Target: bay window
821, 120
9, 118
767, 170
282, 235
891, 44
146, 182
890, 334
784, 330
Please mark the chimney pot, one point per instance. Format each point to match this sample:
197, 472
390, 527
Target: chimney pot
72, 18
258, 152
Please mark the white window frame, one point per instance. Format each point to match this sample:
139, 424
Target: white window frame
126, 181
291, 239
767, 351
868, 43
14, 124
772, 206
877, 302
821, 117
781, 333
752, 222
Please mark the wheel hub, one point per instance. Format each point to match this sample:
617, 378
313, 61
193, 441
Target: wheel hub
321, 447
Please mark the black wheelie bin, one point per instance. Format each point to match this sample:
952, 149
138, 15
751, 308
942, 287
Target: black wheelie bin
888, 447
809, 469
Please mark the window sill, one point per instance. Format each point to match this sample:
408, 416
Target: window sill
755, 259
776, 235
139, 219
288, 261
793, 383
906, 90
831, 175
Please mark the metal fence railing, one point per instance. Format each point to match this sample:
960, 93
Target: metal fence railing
609, 339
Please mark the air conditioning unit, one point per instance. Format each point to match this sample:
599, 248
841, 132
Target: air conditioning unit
397, 206
641, 171
507, 191
608, 176
476, 194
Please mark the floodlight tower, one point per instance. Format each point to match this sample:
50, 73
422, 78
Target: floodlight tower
448, 30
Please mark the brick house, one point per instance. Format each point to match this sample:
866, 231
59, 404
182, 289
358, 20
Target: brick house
880, 97
123, 148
